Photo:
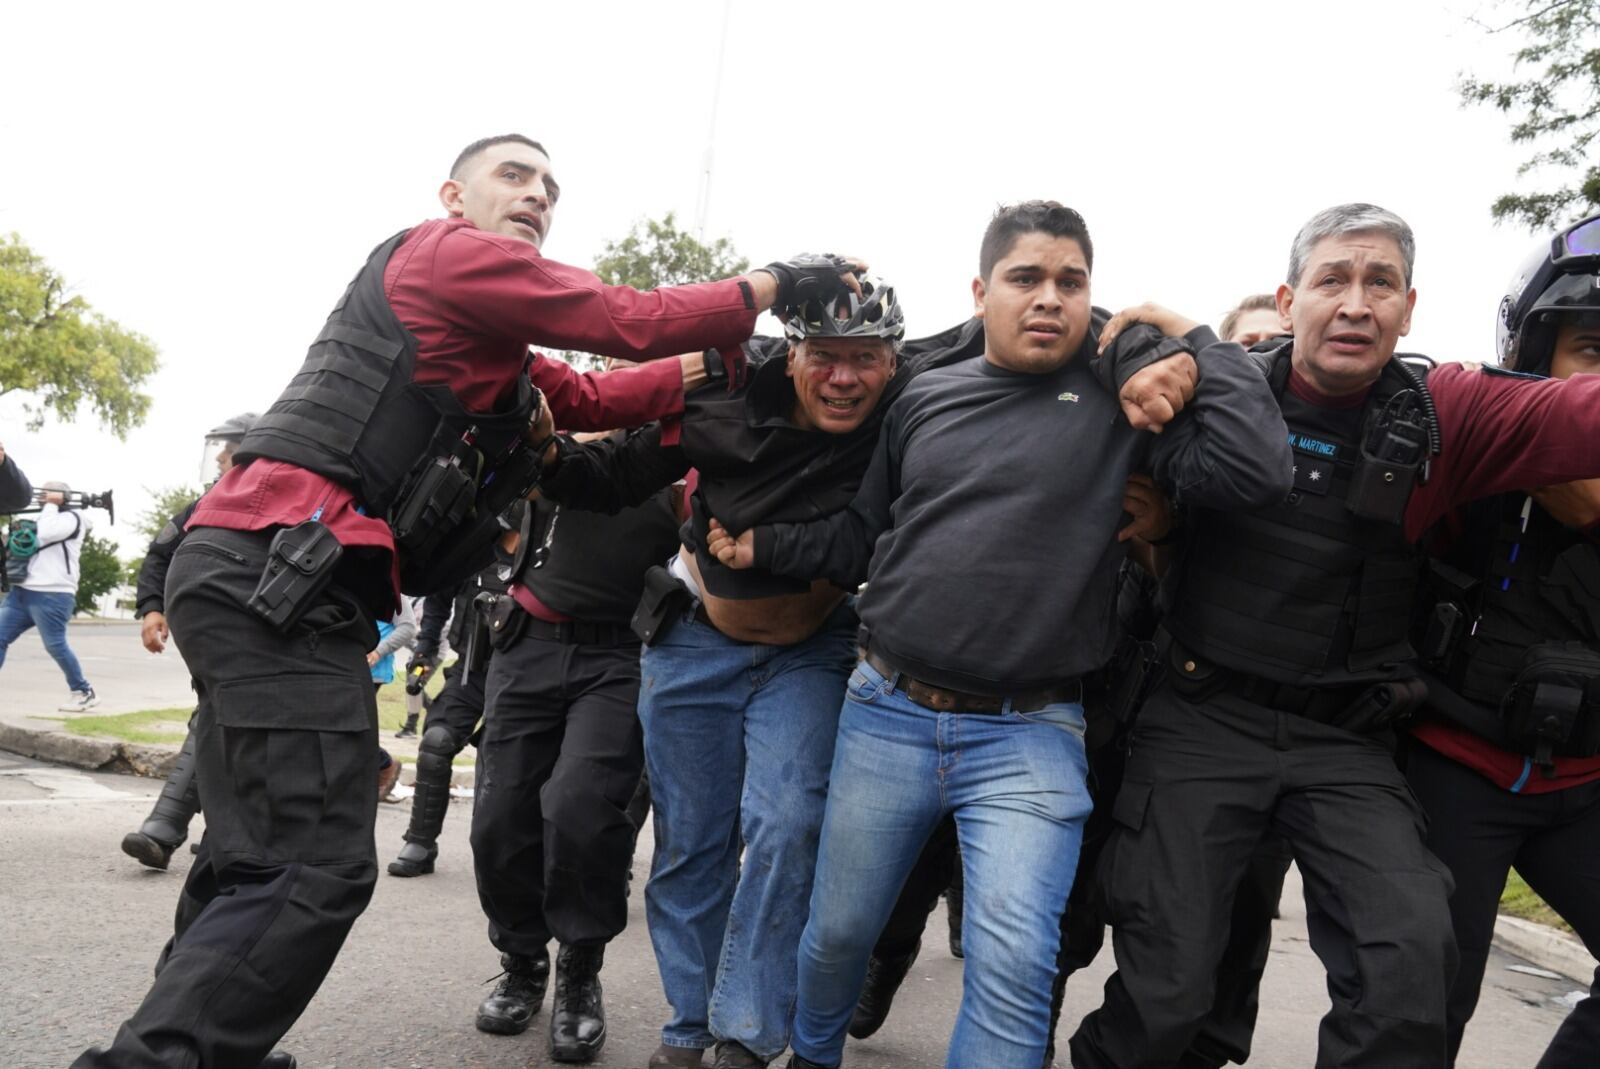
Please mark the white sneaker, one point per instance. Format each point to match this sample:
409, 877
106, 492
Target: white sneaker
80, 700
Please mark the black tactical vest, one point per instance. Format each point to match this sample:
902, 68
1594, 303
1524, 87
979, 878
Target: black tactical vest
354, 414
1530, 587
589, 565
1305, 592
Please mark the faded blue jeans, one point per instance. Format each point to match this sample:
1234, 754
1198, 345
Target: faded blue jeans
1015, 783
49, 612
738, 738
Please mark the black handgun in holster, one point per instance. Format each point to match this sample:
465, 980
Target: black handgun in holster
1133, 673
665, 599
500, 618
300, 564
1383, 706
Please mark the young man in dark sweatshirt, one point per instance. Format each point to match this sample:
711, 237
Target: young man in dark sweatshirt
986, 528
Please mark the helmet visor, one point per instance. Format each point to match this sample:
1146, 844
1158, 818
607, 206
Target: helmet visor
215, 459
1580, 245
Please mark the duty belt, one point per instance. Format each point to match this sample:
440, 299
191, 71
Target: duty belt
944, 700
580, 632
1315, 703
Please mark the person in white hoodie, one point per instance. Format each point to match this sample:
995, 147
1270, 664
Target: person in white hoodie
45, 597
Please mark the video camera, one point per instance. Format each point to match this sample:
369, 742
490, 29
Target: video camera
16, 545
75, 499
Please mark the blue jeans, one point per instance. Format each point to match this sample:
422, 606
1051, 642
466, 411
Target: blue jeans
49, 612
738, 739
1015, 784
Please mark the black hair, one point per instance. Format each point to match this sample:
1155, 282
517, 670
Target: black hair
489, 142
1012, 221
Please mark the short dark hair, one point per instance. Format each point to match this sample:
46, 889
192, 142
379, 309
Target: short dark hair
1260, 302
1011, 221
489, 142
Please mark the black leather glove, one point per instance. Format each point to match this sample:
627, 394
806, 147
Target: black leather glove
807, 277
727, 365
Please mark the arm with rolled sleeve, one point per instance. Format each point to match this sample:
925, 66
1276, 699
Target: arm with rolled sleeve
1229, 447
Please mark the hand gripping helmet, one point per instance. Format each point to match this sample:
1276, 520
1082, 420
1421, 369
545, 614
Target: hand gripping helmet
1561, 274
874, 314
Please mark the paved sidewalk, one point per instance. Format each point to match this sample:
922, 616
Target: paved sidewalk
130, 679
127, 678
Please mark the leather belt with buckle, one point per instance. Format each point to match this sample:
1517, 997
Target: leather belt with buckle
945, 700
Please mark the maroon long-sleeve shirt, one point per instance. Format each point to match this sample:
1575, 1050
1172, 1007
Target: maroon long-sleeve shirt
1498, 434
475, 302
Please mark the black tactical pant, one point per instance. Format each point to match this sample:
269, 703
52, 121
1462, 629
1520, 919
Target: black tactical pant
1226, 1032
1205, 784
285, 733
558, 762
460, 704
1552, 839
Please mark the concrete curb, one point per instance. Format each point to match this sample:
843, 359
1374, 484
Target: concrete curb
132, 758
100, 755
1548, 948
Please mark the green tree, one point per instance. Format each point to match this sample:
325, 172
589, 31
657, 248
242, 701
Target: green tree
1555, 107
63, 354
99, 572
167, 503
656, 253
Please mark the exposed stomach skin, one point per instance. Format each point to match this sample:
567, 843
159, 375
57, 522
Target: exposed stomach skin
781, 620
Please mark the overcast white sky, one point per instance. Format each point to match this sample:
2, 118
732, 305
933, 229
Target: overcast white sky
211, 175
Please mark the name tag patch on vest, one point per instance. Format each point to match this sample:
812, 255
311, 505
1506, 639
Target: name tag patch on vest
1315, 447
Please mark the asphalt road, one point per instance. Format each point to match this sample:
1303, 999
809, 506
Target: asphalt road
81, 926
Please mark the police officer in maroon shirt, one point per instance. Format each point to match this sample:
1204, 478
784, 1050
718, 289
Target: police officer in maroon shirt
416, 417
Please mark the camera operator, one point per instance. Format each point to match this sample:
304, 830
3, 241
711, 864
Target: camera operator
15, 490
45, 594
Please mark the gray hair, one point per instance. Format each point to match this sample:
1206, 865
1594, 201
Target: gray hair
1351, 219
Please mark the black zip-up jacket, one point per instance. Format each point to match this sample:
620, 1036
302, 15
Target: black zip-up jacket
754, 465
15, 490
150, 590
986, 525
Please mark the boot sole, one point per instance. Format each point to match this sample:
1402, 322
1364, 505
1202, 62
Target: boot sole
145, 850
579, 1052
397, 868
499, 1026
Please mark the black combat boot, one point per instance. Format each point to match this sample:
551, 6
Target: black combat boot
279, 1059
577, 1015
168, 824
430, 801
408, 730
416, 859
884, 977
517, 997
735, 1055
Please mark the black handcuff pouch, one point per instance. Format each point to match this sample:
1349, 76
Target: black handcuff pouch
1553, 708
300, 564
502, 616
